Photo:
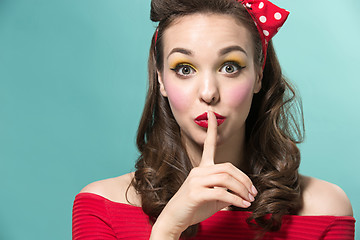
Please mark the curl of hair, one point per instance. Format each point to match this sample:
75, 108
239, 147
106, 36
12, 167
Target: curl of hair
273, 129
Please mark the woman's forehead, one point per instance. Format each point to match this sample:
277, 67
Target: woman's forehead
206, 32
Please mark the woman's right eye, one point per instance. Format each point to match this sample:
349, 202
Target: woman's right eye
183, 70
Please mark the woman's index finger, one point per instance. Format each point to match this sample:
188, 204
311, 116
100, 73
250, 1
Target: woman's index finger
210, 141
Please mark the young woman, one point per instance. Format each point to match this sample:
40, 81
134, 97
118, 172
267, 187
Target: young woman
217, 139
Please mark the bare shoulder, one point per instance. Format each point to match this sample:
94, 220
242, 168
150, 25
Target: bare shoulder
323, 198
114, 189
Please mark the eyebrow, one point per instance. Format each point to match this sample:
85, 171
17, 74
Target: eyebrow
230, 49
221, 52
181, 50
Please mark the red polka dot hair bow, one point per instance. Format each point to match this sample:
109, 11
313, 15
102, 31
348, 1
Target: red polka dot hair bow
268, 19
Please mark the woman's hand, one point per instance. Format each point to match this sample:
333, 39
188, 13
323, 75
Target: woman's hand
209, 188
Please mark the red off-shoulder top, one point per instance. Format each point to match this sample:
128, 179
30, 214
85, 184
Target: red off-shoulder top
95, 217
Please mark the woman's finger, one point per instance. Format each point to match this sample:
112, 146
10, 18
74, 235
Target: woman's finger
226, 181
235, 173
222, 195
208, 155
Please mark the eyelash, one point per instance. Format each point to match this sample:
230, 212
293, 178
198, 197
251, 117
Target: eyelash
236, 65
178, 67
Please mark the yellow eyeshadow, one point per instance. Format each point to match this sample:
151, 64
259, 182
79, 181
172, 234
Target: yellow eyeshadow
235, 58
184, 61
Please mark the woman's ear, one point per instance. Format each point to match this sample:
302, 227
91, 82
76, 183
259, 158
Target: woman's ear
258, 81
161, 83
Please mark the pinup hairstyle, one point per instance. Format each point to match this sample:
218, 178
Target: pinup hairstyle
272, 130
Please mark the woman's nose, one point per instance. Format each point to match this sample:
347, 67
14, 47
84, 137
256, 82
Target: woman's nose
209, 92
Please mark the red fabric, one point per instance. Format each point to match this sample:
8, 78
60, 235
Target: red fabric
268, 18
95, 217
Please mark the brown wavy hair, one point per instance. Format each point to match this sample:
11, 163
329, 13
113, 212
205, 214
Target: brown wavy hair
273, 128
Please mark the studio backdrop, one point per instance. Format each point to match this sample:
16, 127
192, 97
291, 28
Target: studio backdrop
73, 78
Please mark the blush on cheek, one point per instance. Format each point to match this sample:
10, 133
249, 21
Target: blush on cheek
239, 95
178, 97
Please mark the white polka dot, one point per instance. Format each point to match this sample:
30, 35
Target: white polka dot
261, 5
277, 16
248, 5
266, 33
278, 29
263, 19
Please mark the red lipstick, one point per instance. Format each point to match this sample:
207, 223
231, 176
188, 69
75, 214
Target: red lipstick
202, 120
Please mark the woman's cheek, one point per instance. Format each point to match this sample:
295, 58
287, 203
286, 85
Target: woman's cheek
178, 96
239, 94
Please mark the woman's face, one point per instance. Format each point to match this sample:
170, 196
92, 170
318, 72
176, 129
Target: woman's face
209, 65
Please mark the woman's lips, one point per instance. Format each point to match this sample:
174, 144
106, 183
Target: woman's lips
202, 120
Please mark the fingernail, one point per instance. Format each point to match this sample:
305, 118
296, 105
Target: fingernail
251, 197
208, 114
246, 203
253, 190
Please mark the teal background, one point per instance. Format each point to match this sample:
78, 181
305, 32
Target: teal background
72, 87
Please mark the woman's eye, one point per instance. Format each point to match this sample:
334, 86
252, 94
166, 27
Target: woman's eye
183, 70
230, 68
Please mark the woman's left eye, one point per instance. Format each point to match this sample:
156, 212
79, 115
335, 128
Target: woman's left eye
231, 68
